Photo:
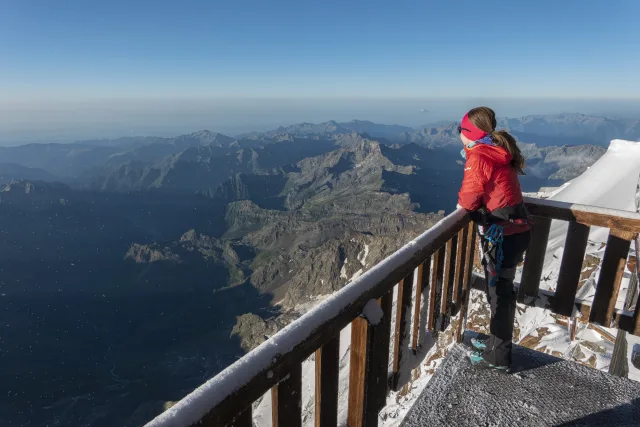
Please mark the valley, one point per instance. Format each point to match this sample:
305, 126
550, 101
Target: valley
133, 269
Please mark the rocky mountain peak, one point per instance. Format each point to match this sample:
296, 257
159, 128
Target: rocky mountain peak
204, 137
147, 254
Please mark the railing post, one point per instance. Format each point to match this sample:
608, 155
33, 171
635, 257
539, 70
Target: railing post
611, 272
436, 288
286, 400
534, 259
368, 376
327, 375
460, 263
401, 336
446, 303
422, 283
466, 281
570, 268
378, 370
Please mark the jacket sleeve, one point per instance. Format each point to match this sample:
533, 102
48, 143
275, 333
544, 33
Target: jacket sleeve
477, 172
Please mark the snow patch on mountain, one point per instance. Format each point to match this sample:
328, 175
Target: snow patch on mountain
343, 270
362, 256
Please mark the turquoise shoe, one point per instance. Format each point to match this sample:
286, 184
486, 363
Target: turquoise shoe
479, 344
478, 362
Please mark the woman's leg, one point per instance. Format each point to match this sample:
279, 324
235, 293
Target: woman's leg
502, 298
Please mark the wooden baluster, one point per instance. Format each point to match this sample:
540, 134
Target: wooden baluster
422, 284
378, 371
613, 263
460, 263
286, 398
243, 419
570, 268
401, 337
368, 376
466, 281
436, 288
534, 259
327, 375
357, 371
446, 304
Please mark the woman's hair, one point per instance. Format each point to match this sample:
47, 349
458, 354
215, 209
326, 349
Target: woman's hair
485, 119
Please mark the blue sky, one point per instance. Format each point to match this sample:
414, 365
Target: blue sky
74, 50
80, 69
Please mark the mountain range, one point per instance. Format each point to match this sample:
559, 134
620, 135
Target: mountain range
139, 267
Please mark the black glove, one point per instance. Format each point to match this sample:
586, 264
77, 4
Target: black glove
479, 216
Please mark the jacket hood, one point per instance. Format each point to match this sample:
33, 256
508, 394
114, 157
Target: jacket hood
494, 153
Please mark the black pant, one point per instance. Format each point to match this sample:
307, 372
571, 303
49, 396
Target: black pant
502, 298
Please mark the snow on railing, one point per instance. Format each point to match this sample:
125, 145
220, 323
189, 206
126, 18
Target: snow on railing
259, 361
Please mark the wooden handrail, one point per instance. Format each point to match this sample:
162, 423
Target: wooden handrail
583, 214
443, 256
216, 402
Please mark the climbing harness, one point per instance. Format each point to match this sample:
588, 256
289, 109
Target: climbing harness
493, 237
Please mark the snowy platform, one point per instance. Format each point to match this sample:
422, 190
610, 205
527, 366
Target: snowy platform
542, 391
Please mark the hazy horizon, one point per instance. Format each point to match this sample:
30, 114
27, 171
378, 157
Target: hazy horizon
79, 120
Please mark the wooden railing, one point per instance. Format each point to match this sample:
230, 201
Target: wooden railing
623, 228
441, 262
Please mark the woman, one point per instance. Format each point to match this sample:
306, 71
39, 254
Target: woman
491, 192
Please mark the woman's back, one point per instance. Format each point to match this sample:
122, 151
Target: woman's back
490, 166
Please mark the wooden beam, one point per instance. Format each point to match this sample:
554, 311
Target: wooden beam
449, 274
224, 410
369, 367
327, 375
377, 381
459, 271
437, 273
357, 372
469, 255
401, 336
570, 268
446, 304
587, 215
611, 272
534, 259
286, 400
466, 286
424, 271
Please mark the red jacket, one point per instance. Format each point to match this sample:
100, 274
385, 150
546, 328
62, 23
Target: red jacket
490, 181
